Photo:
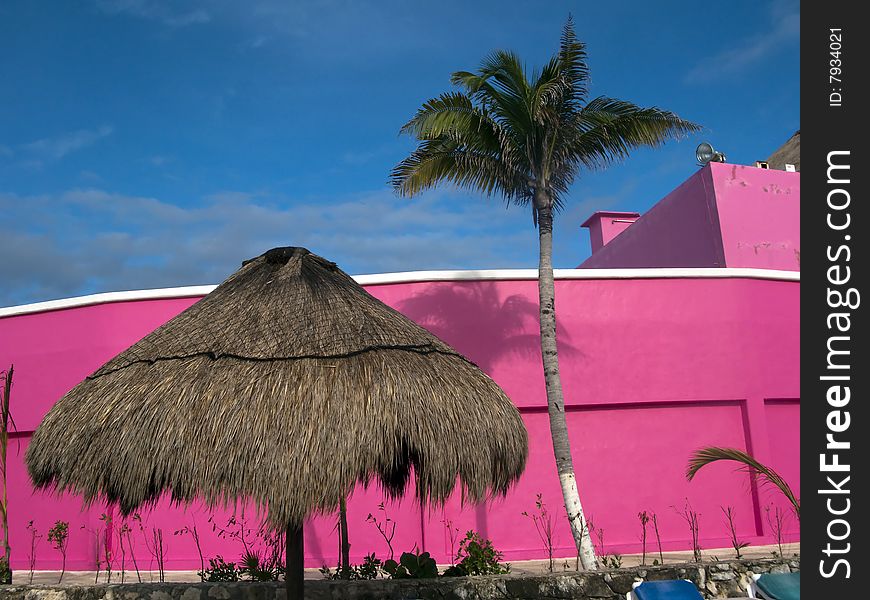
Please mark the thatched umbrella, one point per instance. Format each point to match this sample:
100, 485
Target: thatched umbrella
788, 153
285, 386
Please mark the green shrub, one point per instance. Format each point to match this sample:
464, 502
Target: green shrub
611, 562
369, 569
477, 556
220, 570
258, 567
412, 566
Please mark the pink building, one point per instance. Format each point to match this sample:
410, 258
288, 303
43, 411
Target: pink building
680, 331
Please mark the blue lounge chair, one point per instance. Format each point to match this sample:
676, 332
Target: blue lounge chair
679, 589
776, 586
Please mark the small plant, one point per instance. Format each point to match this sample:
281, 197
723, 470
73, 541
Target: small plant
386, 527
194, 534
98, 556
643, 517
691, 517
34, 542
273, 549
776, 522
236, 529
122, 531
613, 561
98, 562
58, 537
5, 571
259, 566
730, 513
411, 565
128, 533
219, 570
605, 561
107, 549
369, 569
545, 528
655, 522
157, 550
477, 556
452, 535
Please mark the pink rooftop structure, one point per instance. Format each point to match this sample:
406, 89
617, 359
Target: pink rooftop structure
681, 330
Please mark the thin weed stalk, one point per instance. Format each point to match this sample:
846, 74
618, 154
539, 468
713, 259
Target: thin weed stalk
34, 541
545, 528
643, 517
655, 522
452, 535
776, 522
730, 514
387, 527
691, 517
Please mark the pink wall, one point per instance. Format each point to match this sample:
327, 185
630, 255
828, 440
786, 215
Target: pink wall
722, 216
759, 214
604, 225
679, 231
652, 368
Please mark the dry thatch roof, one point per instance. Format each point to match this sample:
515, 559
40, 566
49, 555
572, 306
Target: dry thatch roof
286, 385
789, 152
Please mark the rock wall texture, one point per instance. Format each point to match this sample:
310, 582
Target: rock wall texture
726, 579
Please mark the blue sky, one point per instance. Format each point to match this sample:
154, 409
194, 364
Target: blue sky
155, 143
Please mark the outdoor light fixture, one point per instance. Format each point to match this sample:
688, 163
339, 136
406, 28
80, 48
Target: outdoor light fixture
705, 153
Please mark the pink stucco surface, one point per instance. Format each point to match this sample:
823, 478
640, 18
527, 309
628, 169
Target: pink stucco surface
604, 225
759, 216
652, 369
724, 215
678, 231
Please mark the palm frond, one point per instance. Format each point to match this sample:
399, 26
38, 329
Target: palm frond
572, 62
712, 454
526, 130
607, 130
504, 70
444, 160
447, 112
454, 116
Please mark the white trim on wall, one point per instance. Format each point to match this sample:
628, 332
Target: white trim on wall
422, 276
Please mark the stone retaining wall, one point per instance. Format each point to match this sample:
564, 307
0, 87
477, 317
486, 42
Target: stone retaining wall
725, 579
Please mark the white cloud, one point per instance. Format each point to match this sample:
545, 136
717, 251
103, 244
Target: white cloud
194, 17
784, 28
155, 10
57, 147
90, 240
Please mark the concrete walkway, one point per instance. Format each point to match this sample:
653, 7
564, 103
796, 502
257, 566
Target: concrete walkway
528, 567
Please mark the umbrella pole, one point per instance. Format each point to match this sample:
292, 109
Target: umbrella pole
294, 574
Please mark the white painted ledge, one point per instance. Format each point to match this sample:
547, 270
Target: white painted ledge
421, 276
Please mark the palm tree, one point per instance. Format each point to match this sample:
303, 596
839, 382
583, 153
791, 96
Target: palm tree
705, 456
525, 136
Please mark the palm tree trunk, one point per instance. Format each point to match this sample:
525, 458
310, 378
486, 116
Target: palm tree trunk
555, 399
294, 573
5, 418
345, 544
